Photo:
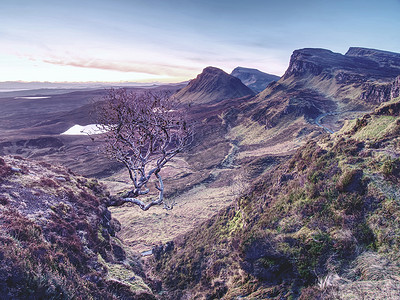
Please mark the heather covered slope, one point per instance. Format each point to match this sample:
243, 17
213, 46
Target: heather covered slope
57, 237
323, 225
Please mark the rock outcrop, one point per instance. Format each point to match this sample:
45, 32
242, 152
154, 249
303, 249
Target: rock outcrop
356, 66
395, 90
376, 93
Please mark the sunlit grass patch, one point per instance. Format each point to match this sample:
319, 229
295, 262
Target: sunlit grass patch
377, 128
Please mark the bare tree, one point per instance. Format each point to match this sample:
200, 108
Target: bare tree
143, 131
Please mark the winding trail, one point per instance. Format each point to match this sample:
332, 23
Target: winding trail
320, 117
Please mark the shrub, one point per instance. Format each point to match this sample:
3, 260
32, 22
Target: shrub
391, 169
4, 200
5, 170
48, 182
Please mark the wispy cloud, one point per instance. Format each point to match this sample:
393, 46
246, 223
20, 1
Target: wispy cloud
126, 66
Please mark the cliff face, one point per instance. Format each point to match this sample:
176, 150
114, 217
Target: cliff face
213, 85
376, 93
395, 89
58, 238
310, 61
357, 65
319, 81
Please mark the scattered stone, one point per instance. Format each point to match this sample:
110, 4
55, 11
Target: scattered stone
61, 178
147, 253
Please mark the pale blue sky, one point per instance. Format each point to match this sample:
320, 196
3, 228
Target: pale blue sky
161, 40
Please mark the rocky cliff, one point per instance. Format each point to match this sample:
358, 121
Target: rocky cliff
385, 59
395, 89
319, 81
357, 64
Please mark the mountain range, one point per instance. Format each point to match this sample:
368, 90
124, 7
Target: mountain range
288, 191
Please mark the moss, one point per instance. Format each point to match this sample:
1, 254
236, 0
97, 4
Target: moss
121, 273
235, 224
390, 168
100, 236
350, 181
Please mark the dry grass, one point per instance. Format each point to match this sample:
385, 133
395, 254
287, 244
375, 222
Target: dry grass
143, 230
371, 277
282, 148
199, 188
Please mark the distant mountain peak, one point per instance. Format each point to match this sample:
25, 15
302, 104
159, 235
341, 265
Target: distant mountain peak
243, 69
383, 58
253, 78
213, 70
213, 84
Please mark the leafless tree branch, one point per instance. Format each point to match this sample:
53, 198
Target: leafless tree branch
143, 131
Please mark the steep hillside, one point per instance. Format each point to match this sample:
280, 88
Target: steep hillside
213, 85
323, 225
319, 90
57, 237
319, 81
253, 78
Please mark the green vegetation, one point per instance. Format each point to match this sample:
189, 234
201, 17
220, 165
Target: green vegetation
306, 228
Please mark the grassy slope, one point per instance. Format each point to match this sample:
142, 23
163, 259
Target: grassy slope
324, 224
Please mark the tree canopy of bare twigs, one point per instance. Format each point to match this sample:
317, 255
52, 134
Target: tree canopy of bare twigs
144, 131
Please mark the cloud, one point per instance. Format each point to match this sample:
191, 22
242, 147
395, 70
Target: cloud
127, 66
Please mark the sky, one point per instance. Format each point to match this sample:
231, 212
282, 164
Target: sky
173, 40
